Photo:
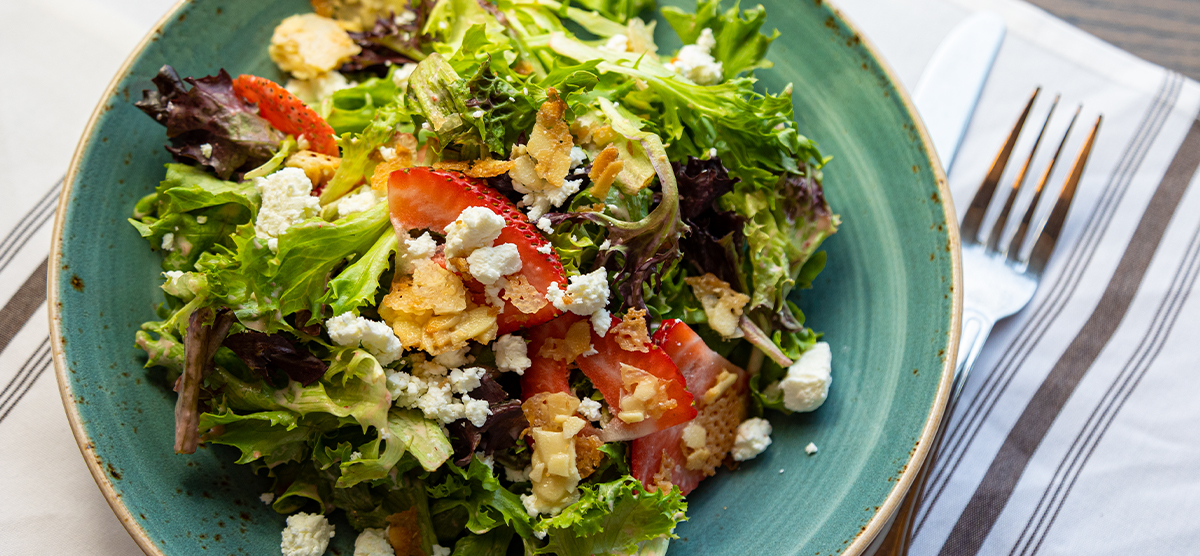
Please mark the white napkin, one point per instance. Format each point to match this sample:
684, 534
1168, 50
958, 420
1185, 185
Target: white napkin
1116, 471
1076, 432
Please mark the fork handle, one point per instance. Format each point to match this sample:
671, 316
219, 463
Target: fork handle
976, 327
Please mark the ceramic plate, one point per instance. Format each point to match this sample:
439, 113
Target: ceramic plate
888, 303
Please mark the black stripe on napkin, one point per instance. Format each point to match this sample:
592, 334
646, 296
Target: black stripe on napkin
28, 374
1002, 476
1109, 405
28, 226
1046, 310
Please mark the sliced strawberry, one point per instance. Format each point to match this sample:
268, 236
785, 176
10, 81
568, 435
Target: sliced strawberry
604, 370
286, 112
661, 454
546, 374
422, 198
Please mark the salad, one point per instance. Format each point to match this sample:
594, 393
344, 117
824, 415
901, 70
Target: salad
487, 277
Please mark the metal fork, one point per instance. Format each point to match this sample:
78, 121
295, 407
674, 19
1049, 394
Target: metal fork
998, 280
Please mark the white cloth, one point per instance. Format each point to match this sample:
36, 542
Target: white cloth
1106, 479
1116, 471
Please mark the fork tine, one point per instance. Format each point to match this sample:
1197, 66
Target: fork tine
998, 228
974, 215
1036, 253
1018, 236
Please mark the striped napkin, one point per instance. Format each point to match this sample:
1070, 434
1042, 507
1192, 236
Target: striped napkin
1077, 431
1076, 435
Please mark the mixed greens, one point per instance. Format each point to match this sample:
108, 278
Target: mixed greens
340, 312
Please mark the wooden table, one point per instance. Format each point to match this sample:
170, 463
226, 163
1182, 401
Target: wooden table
1166, 32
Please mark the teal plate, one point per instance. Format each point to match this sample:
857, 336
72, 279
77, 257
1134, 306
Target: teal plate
888, 303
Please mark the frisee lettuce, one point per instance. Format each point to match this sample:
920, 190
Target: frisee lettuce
612, 518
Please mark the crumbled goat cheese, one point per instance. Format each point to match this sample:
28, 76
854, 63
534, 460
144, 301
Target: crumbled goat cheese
475, 411
431, 388
286, 201
439, 550
585, 294
617, 43
578, 157
313, 91
489, 264
477, 114
695, 61
753, 436
373, 542
168, 241
358, 202
512, 354
493, 293
712, 152
465, 380
306, 535
540, 202
545, 249
807, 382
590, 409
414, 249
267, 498
605, 245
421, 247
404, 388
517, 475
201, 219
355, 456
601, 322
429, 368
405, 17
810, 449
437, 403
475, 227
377, 337
387, 153
453, 359
206, 150
544, 225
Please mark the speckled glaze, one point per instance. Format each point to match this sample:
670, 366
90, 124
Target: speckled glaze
888, 303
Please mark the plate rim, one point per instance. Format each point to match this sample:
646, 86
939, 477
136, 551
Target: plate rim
857, 546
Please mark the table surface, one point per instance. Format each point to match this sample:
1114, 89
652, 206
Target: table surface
1166, 32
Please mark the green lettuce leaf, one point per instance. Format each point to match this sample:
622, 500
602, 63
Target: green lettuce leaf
491, 543
187, 188
275, 436
409, 432
783, 230
163, 348
740, 45
422, 438
352, 109
612, 518
357, 284
357, 163
450, 20
364, 397
754, 134
190, 212
262, 286
477, 490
